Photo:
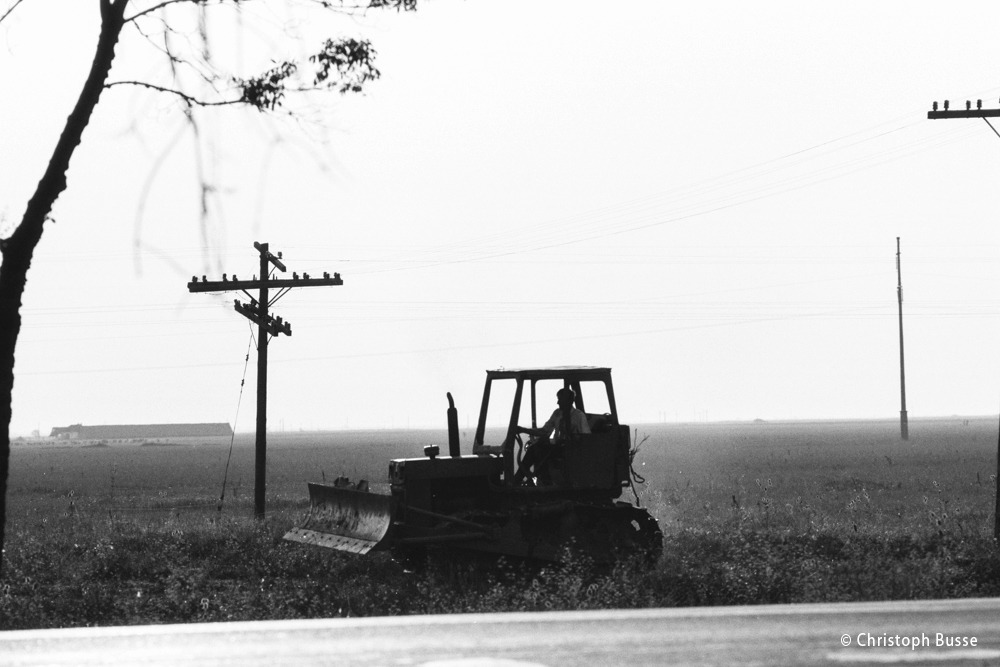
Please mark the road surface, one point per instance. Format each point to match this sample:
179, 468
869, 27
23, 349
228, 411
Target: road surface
952, 632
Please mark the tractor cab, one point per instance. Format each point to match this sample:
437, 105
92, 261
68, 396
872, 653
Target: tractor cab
513, 398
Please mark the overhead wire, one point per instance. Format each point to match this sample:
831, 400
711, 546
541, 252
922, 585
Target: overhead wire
707, 185
735, 188
633, 216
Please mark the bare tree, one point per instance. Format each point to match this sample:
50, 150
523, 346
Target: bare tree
343, 65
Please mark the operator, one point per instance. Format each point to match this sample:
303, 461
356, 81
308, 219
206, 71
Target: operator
564, 422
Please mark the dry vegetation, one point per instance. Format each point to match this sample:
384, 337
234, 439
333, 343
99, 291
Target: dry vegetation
126, 533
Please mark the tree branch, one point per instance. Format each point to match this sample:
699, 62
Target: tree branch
184, 96
12, 8
161, 5
405, 5
341, 6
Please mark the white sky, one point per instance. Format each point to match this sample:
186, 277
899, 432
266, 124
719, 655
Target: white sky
703, 196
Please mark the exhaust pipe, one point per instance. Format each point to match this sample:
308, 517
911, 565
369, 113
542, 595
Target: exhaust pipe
454, 448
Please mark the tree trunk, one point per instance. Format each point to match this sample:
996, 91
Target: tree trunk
17, 250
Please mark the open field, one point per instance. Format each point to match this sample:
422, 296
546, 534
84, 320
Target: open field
752, 512
794, 475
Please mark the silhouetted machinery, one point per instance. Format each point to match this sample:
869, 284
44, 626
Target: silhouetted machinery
472, 502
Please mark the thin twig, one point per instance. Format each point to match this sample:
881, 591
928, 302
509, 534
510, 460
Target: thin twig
12, 8
184, 96
166, 3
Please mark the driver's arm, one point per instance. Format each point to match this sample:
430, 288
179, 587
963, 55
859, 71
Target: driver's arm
543, 431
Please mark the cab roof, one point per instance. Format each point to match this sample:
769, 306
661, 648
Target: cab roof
552, 373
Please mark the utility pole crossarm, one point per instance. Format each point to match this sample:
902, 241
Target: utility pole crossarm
265, 254
238, 285
967, 112
964, 113
273, 325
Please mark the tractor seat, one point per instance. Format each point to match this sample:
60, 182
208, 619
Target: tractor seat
599, 423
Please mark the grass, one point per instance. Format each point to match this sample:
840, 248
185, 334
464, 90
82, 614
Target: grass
74, 573
752, 513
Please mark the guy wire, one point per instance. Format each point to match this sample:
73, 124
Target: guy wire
225, 476
991, 127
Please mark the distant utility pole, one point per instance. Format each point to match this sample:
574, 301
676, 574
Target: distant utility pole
904, 428
979, 112
257, 311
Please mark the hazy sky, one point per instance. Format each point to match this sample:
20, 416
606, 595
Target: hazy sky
703, 196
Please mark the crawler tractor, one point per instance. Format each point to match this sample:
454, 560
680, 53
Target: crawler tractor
472, 502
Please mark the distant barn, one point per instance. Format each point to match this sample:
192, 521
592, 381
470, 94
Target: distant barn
136, 431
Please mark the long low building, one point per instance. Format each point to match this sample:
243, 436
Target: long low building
136, 431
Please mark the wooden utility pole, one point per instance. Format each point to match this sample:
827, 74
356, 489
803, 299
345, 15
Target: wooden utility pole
257, 311
985, 114
904, 427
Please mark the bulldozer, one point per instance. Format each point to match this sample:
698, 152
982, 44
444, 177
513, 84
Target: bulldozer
567, 501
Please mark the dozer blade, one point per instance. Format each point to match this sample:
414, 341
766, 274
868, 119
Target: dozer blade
345, 519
